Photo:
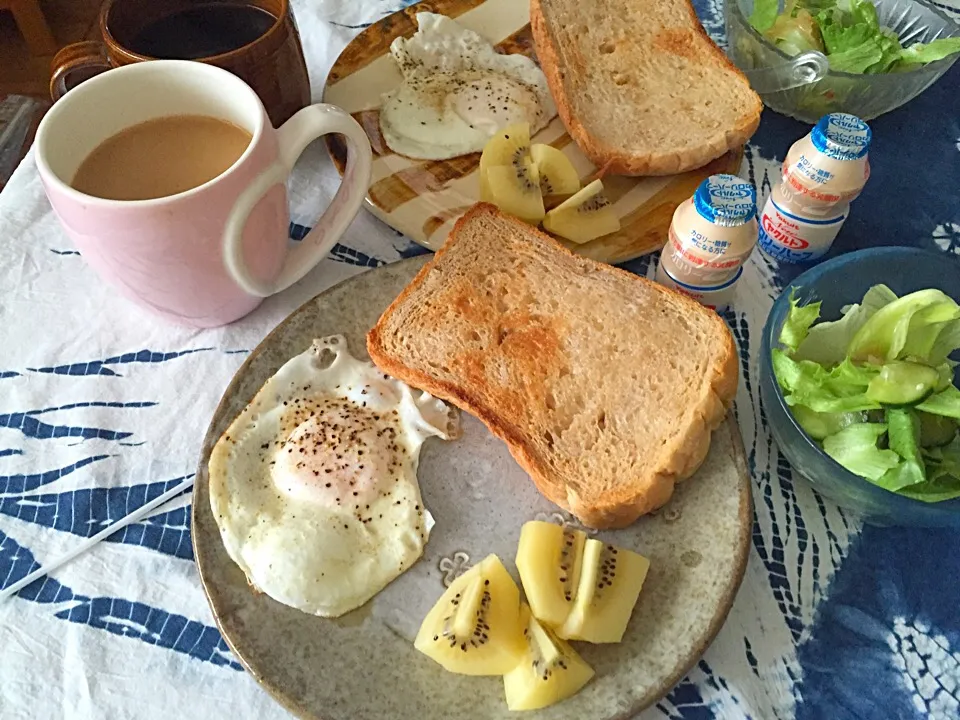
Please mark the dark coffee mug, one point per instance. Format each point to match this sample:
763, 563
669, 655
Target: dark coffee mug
256, 40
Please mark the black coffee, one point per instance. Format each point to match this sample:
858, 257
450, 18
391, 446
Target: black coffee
202, 31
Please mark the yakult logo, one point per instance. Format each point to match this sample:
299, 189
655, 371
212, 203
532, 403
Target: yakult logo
846, 121
851, 139
780, 235
730, 191
795, 239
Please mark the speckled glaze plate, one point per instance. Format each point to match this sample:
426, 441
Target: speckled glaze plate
363, 666
424, 198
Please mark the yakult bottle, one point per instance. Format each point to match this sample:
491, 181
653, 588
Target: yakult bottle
716, 297
823, 173
712, 234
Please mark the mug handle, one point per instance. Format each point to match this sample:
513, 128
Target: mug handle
89, 56
293, 137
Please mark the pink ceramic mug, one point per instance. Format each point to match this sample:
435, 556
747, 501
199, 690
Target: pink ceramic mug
206, 256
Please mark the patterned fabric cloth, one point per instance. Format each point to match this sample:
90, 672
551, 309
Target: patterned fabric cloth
102, 408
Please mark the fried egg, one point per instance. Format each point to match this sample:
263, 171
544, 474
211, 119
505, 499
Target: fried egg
314, 485
457, 92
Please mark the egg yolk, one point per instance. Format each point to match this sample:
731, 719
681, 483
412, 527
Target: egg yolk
338, 454
492, 102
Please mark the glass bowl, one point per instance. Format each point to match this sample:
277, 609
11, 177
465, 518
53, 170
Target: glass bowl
805, 88
838, 282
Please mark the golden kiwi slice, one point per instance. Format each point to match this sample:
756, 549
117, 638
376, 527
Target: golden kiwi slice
584, 216
549, 672
512, 191
516, 190
508, 147
549, 558
557, 174
474, 629
610, 582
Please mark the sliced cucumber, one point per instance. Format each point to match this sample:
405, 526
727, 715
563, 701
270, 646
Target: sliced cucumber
936, 430
902, 384
820, 425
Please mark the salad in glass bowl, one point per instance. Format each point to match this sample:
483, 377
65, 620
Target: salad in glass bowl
848, 32
809, 58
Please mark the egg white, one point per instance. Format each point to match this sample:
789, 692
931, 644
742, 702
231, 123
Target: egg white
457, 92
314, 485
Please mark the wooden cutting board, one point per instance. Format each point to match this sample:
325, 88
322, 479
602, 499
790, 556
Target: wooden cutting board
424, 198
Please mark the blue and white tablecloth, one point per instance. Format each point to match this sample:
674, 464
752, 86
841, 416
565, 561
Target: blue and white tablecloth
102, 407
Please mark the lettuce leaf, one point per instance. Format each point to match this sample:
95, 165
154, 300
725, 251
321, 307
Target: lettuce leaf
933, 491
906, 474
848, 378
947, 342
796, 33
841, 390
798, 322
802, 376
926, 327
930, 52
864, 12
816, 6
847, 30
946, 403
943, 475
764, 14
885, 335
890, 49
857, 59
946, 371
793, 374
855, 448
826, 342
855, 41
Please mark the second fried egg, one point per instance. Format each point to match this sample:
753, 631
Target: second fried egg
458, 92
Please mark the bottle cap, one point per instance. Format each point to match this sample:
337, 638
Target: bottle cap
726, 200
841, 136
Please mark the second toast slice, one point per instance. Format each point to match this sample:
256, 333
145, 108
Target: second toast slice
640, 86
604, 386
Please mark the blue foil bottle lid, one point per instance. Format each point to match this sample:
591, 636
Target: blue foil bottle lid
726, 200
841, 136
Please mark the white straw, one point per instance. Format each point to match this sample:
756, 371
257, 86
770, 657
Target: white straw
91, 541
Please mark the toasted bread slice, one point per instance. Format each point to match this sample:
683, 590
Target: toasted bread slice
640, 86
604, 386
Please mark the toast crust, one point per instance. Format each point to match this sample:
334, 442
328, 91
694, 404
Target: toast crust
615, 507
615, 160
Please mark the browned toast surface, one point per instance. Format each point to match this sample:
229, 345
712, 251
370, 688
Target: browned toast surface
605, 386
